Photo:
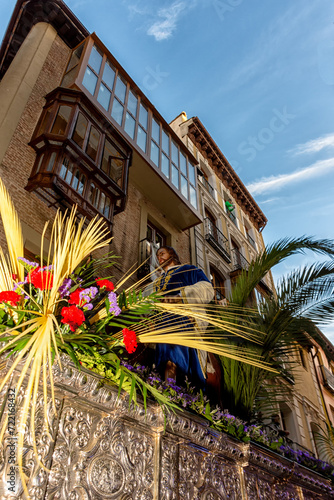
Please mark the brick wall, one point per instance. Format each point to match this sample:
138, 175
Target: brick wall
19, 158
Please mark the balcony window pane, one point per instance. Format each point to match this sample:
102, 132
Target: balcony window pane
93, 143
104, 96
107, 208
69, 78
143, 116
108, 75
112, 162
165, 165
66, 170
80, 130
44, 125
193, 196
101, 203
49, 167
129, 125
81, 184
183, 164
175, 154
141, 139
75, 57
175, 176
120, 89
155, 152
184, 186
39, 163
61, 120
116, 170
89, 81
75, 181
155, 131
132, 103
95, 60
92, 194
191, 169
165, 142
117, 111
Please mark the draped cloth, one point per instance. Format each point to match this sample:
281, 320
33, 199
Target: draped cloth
193, 286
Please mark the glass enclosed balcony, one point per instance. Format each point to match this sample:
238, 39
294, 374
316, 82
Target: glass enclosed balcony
162, 166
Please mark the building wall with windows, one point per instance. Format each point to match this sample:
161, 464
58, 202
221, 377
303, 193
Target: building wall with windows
230, 235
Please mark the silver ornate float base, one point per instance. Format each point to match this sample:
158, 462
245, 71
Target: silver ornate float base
99, 448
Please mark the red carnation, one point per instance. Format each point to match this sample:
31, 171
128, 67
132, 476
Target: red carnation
32, 274
11, 298
75, 298
130, 340
73, 317
109, 286
42, 280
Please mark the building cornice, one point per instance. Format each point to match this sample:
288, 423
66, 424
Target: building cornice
204, 142
26, 14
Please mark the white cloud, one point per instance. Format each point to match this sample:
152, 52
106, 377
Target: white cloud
313, 146
270, 200
274, 183
163, 28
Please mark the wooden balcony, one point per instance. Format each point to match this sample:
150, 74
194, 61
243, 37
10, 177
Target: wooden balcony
80, 158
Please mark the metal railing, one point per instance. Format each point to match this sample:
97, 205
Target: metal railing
216, 239
208, 186
251, 241
238, 260
233, 218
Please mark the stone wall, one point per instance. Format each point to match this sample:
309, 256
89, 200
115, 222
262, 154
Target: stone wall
101, 448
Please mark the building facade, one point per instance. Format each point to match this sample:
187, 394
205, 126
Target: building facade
76, 129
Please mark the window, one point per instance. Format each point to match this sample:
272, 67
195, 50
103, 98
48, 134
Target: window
79, 132
218, 284
61, 121
302, 358
212, 228
148, 248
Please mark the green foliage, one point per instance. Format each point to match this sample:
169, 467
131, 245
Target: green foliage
279, 321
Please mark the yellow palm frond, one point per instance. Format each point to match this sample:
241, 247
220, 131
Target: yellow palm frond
14, 237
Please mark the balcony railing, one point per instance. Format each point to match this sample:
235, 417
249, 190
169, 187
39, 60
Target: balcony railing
216, 239
328, 378
208, 186
238, 260
233, 218
251, 241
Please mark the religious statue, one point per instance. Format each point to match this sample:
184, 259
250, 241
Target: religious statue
188, 284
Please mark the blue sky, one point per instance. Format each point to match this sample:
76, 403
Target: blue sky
259, 75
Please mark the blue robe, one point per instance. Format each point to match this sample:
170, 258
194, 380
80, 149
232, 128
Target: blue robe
185, 358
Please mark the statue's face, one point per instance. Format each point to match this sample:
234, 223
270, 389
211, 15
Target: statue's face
163, 257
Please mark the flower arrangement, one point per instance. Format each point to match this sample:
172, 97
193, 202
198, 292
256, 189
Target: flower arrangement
57, 304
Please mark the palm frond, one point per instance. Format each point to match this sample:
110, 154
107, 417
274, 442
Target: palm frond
273, 255
14, 237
